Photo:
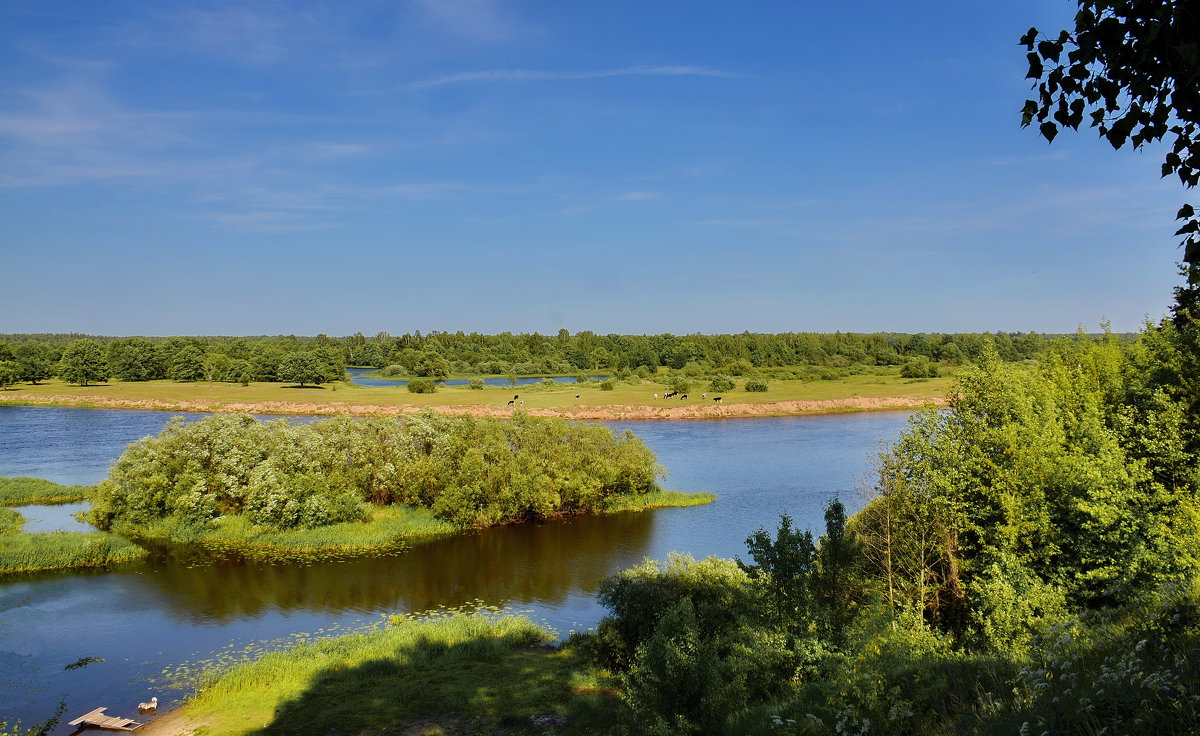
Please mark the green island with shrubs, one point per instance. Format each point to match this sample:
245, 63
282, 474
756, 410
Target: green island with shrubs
235, 487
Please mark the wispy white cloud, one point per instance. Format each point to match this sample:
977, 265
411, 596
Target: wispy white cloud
636, 196
533, 75
479, 20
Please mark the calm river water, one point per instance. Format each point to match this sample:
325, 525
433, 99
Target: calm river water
144, 617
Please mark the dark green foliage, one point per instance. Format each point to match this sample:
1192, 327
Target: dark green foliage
919, 369
679, 682
608, 384
721, 383
83, 362
784, 566
134, 359
34, 361
421, 386
467, 470
475, 384
187, 364
10, 373
756, 385
302, 368
638, 598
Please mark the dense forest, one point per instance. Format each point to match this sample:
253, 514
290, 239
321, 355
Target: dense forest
84, 359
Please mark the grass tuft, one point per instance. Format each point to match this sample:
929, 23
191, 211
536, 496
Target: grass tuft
25, 491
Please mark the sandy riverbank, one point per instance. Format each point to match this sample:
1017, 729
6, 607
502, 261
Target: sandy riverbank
605, 411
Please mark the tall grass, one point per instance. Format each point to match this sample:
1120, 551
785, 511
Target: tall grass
10, 521
657, 500
387, 531
64, 550
458, 671
22, 491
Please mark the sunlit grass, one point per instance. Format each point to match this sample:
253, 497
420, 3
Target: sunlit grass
64, 550
24, 491
388, 530
283, 398
456, 671
656, 500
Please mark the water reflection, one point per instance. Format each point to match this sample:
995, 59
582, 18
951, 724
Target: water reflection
542, 563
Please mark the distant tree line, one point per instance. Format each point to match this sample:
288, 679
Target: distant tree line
85, 359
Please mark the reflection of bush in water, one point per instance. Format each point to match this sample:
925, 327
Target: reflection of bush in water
545, 562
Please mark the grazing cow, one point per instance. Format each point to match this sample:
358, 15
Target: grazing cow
511, 403
522, 403
704, 395
656, 397
516, 396
681, 398
717, 399
577, 396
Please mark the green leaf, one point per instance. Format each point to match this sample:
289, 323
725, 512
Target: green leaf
1028, 39
1185, 211
1049, 130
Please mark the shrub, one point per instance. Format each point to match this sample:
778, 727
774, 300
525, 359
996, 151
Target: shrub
608, 384
919, 369
756, 384
680, 384
475, 384
422, 386
721, 383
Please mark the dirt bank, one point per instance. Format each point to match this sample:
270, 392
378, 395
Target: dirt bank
606, 411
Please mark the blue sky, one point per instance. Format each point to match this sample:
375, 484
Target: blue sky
633, 167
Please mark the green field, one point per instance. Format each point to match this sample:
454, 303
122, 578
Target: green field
450, 673
345, 397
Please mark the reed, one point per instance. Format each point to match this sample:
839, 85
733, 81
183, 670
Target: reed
657, 500
10, 521
22, 491
64, 550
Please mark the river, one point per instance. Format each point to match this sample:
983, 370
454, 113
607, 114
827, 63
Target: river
143, 618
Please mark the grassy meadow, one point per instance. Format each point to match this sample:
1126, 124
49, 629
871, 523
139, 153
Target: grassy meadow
450, 673
344, 397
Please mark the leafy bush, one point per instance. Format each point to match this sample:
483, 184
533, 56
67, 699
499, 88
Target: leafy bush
756, 384
475, 471
679, 384
475, 384
422, 386
721, 383
608, 384
919, 369
393, 370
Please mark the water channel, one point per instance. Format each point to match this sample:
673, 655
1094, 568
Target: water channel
144, 617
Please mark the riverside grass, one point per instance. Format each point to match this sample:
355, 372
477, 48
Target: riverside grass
25, 491
21, 553
449, 672
340, 398
387, 531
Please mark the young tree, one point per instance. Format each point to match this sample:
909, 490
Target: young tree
83, 362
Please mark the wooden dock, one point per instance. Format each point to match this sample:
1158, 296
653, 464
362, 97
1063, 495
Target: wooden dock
99, 720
